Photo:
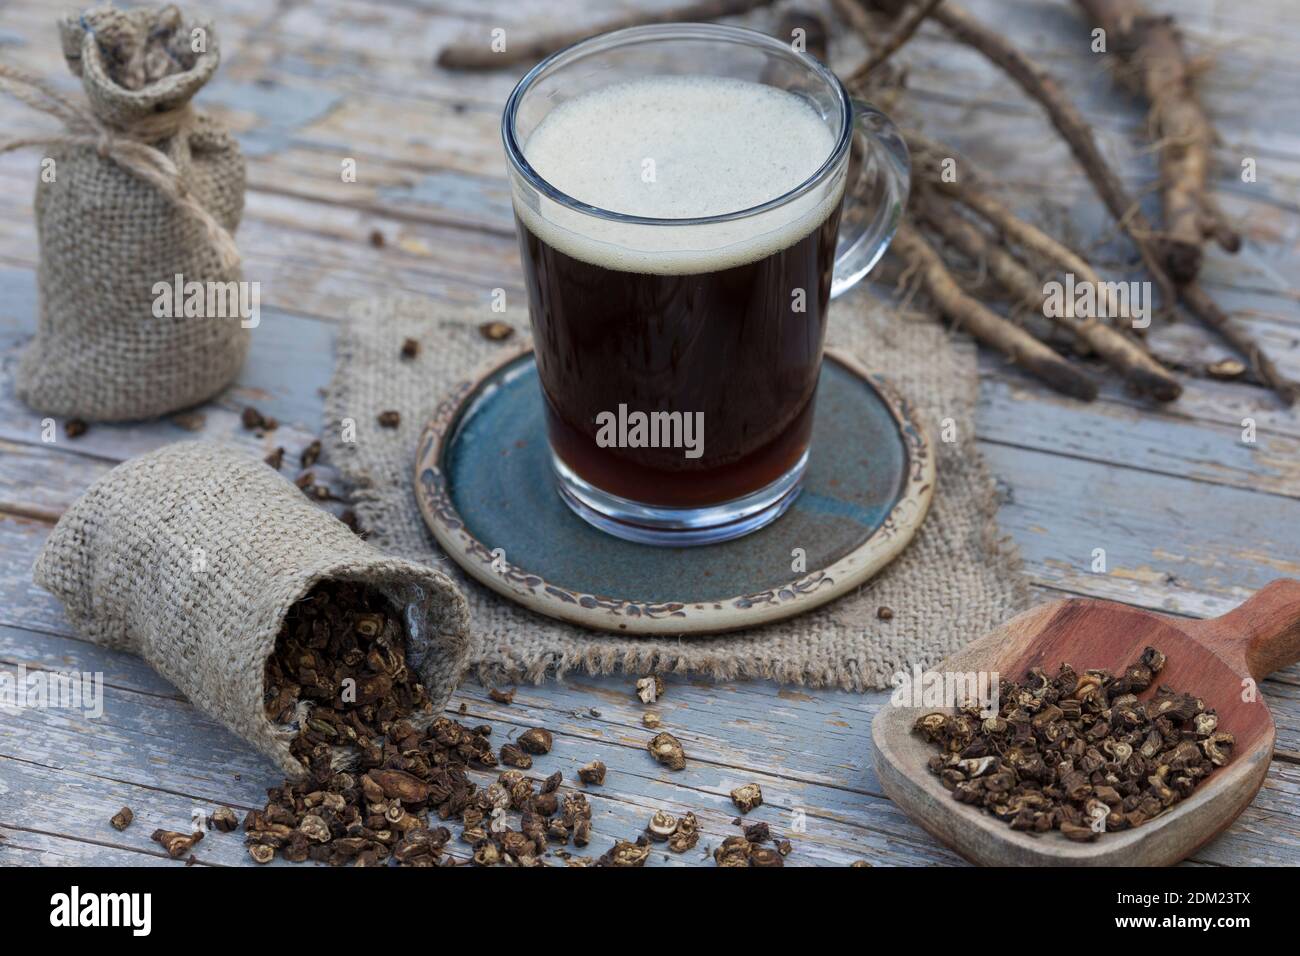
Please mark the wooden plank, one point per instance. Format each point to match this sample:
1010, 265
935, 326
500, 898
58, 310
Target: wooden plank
1159, 441
1208, 547
307, 85
183, 760
27, 847
757, 724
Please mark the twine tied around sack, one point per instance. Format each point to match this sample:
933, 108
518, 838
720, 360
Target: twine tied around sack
130, 146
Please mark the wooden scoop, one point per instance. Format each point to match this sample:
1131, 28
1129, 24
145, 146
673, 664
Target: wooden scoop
1219, 660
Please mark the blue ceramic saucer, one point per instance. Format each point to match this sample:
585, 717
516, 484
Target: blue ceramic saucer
484, 485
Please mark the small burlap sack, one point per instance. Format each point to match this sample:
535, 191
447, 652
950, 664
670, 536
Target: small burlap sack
192, 555
144, 189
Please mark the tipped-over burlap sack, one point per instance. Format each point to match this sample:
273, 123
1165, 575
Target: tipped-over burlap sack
192, 555
115, 218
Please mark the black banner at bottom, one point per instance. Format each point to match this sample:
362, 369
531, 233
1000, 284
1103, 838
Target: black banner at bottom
243, 906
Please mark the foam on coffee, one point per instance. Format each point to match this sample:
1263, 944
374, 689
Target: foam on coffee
718, 145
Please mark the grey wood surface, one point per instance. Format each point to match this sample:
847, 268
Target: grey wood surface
1192, 518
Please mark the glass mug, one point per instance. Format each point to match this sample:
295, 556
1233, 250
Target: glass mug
678, 352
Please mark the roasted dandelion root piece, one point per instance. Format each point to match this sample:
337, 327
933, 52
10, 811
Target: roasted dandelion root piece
176, 844
650, 689
223, 819
122, 819
667, 749
1079, 753
686, 835
383, 771
536, 741
748, 797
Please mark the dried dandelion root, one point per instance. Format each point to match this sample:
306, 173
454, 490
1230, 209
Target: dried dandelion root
908, 23
990, 328
1122, 353
1156, 67
1043, 87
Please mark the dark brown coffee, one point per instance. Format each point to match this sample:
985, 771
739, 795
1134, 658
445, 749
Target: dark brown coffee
739, 347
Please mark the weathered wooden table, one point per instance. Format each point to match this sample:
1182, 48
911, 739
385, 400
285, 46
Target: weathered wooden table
1192, 518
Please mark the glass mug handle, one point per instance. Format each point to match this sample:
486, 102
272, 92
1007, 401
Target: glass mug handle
875, 195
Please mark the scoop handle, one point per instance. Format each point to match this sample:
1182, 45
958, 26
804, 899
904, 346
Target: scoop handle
1261, 635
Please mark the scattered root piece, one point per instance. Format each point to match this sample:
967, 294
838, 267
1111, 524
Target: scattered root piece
253, 419
502, 696
661, 826
1199, 303
668, 750
1226, 369
74, 428
224, 819
261, 853
624, 854
765, 856
176, 844
275, 459
748, 797
513, 755
122, 819
687, 834
593, 773
650, 689
496, 331
734, 851
389, 419
536, 741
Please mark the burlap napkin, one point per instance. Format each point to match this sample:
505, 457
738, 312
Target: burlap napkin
958, 579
